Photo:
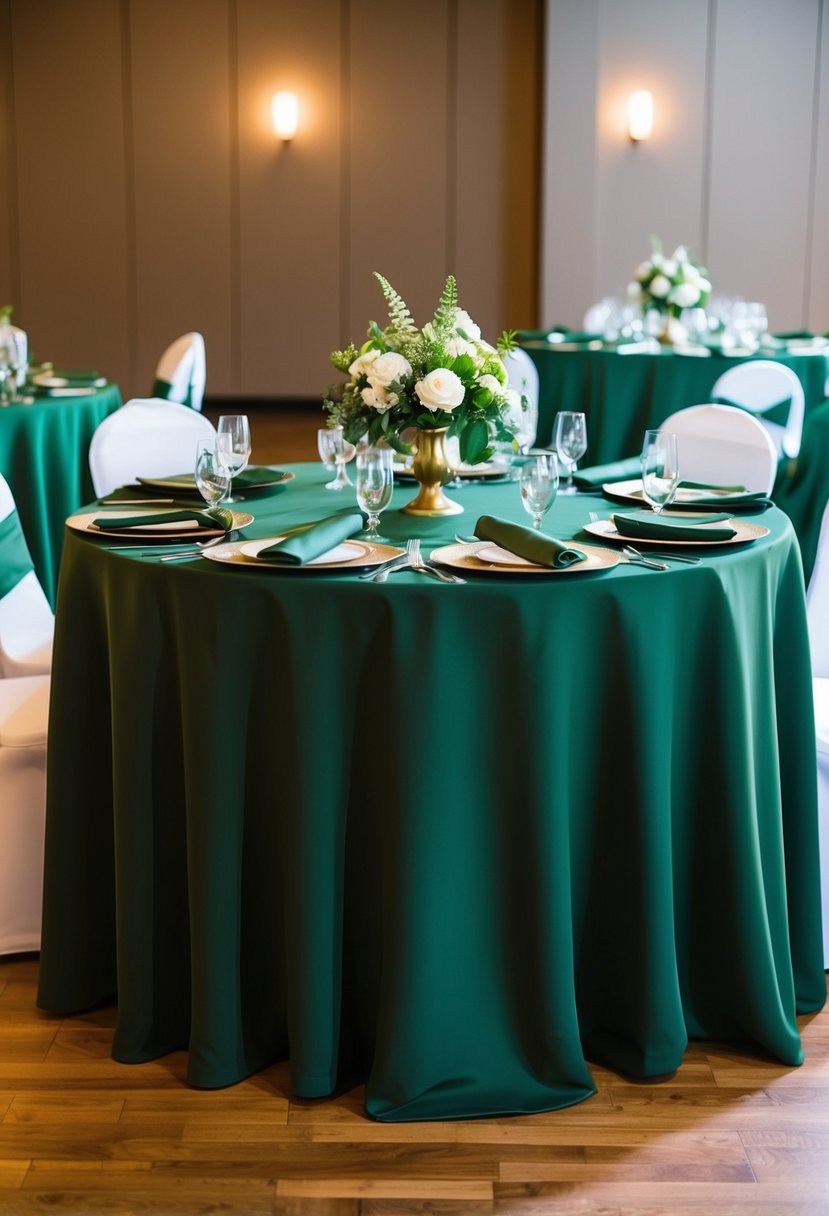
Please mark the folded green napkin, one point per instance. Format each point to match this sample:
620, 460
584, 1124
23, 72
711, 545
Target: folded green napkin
249, 478
647, 526
216, 517
313, 541
527, 543
618, 470
739, 498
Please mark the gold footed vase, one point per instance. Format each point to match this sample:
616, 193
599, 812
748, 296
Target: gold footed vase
432, 471
672, 331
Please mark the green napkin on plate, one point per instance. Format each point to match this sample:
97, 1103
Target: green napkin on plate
645, 525
249, 478
739, 498
527, 543
314, 540
617, 470
217, 517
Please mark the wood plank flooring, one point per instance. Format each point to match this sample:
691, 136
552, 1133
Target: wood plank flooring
731, 1134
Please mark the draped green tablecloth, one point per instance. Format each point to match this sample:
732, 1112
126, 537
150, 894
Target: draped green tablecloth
624, 395
44, 456
453, 841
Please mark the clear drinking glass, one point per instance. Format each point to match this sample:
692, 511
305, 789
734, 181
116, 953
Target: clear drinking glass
333, 452
570, 442
375, 482
660, 468
213, 478
233, 444
8, 376
539, 483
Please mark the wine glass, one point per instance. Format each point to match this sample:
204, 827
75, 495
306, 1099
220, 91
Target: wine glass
660, 468
539, 483
570, 442
375, 482
8, 373
213, 478
233, 445
333, 452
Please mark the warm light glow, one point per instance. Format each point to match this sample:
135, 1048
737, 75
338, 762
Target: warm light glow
285, 114
640, 115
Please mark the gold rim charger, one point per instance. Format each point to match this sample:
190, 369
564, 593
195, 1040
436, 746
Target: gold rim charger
158, 532
745, 533
187, 483
360, 555
631, 491
465, 557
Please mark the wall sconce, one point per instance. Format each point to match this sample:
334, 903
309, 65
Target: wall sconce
285, 114
640, 115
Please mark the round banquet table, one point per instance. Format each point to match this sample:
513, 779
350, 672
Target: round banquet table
625, 395
451, 841
44, 456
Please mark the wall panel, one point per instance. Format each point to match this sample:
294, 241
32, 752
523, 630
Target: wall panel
761, 152
289, 197
71, 181
9, 278
180, 112
817, 254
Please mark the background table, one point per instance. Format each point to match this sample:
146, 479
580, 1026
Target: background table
624, 395
450, 840
44, 456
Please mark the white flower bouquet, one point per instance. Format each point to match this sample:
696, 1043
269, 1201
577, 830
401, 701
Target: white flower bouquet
669, 284
441, 376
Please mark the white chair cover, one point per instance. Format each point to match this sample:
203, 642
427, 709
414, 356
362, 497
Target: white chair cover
758, 386
723, 445
24, 711
817, 607
522, 375
27, 624
181, 374
147, 437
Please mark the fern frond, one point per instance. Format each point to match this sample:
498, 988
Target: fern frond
402, 324
507, 341
447, 305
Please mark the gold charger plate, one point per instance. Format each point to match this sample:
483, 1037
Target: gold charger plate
155, 532
744, 534
243, 553
464, 557
631, 491
186, 483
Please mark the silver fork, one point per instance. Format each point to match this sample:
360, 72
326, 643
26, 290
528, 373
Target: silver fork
422, 567
196, 550
629, 551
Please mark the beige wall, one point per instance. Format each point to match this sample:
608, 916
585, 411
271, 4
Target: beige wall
143, 195
738, 165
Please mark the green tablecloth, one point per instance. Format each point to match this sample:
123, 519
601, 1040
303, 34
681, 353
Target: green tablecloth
624, 395
44, 456
802, 487
453, 841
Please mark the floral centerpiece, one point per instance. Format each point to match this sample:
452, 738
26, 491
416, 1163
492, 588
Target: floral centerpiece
669, 284
413, 387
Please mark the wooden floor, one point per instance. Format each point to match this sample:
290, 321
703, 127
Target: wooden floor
730, 1133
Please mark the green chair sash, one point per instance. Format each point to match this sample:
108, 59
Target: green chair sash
15, 559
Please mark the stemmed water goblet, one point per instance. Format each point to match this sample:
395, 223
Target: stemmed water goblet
570, 442
660, 469
233, 445
333, 452
213, 478
538, 484
375, 482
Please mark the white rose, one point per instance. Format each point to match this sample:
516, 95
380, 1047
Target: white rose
669, 268
368, 395
633, 291
681, 254
643, 270
703, 285
657, 260
686, 295
440, 390
386, 368
362, 363
659, 286
381, 401
490, 382
458, 346
464, 321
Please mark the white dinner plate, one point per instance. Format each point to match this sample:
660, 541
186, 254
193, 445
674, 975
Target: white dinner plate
186, 483
631, 491
744, 533
350, 555
472, 558
47, 380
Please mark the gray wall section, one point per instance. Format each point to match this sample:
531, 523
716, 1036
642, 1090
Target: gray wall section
143, 193
737, 167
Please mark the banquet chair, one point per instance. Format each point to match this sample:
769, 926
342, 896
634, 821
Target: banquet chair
182, 372
758, 386
817, 609
24, 711
522, 375
725, 445
146, 437
27, 623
